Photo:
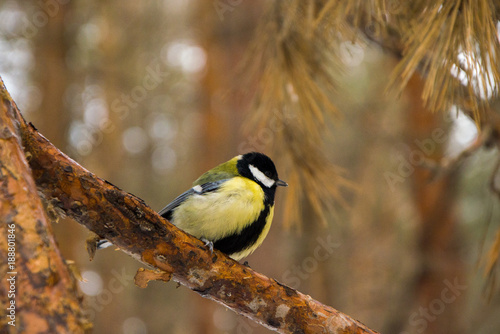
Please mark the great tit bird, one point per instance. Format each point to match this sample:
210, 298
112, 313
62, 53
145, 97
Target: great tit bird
231, 206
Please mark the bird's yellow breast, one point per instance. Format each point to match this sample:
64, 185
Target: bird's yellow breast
226, 211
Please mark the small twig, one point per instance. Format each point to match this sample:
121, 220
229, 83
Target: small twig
454, 162
449, 164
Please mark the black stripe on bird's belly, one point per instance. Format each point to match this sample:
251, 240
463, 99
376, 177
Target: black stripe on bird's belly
246, 238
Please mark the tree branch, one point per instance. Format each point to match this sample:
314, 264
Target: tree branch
38, 291
136, 229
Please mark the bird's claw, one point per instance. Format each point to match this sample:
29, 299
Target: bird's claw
208, 244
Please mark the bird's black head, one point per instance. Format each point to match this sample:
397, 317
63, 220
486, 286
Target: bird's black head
260, 168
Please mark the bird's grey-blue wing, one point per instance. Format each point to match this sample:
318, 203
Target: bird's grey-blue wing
166, 212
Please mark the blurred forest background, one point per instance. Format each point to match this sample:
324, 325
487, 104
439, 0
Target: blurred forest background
150, 94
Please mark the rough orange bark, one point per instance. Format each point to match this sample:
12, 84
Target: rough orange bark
36, 288
136, 229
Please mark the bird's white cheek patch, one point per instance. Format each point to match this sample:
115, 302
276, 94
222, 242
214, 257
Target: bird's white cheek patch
261, 177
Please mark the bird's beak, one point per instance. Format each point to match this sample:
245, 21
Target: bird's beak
281, 183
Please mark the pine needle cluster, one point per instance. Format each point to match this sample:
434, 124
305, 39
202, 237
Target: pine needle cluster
454, 44
294, 61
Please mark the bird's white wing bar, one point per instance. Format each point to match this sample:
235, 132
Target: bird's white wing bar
196, 190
